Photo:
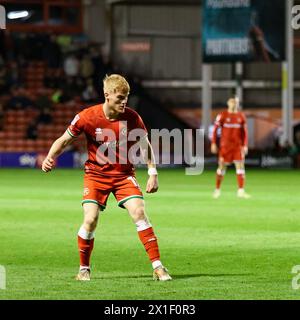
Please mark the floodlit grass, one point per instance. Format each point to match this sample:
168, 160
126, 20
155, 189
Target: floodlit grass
214, 249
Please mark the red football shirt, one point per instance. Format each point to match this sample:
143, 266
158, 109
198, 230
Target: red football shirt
233, 130
108, 142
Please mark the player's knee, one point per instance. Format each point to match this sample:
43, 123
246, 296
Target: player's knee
240, 166
90, 221
240, 171
139, 214
221, 171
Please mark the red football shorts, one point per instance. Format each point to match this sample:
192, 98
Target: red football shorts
230, 155
97, 189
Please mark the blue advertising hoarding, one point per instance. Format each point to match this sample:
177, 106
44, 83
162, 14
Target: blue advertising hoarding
33, 160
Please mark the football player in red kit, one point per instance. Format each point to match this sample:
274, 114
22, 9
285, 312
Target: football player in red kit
107, 127
233, 145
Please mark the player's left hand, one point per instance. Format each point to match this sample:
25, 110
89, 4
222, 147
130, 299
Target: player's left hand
245, 150
152, 184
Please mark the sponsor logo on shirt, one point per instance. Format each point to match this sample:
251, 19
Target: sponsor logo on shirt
232, 125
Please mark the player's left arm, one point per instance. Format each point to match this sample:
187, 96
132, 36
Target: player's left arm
245, 136
149, 158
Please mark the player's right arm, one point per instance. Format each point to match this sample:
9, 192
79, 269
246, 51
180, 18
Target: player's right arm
245, 135
214, 147
59, 145
56, 149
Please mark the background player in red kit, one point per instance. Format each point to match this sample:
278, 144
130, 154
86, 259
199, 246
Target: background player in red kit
103, 125
233, 145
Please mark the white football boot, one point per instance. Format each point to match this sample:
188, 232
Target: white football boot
217, 193
161, 274
84, 275
242, 194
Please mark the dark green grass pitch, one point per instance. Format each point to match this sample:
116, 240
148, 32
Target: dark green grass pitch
215, 249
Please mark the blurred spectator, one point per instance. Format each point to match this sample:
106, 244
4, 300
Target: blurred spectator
80, 85
86, 67
100, 69
19, 99
136, 91
64, 41
32, 131
14, 78
45, 116
50, 81
89, 94
59, 97
71, 66
52, 53
37, 42
53, 78
56, 96
42, 101
72, 87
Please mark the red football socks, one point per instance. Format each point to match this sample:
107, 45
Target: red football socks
240, 174
85, 249
241, 180
149, 241
219, 179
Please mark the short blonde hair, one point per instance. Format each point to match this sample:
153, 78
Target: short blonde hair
115, 82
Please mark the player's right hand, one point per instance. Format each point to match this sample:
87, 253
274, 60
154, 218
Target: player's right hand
47, 164
214, 148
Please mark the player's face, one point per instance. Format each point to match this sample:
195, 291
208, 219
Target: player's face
117, 101
233, 104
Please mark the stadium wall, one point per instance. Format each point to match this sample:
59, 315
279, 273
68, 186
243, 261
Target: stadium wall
159, 41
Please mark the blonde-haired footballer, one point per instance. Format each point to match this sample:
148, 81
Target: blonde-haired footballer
101, 178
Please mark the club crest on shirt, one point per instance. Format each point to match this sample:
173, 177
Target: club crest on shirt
228, 119
98, 134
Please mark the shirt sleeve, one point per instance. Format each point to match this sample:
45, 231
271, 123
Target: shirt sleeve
140, 124
137, 128
245, 131
76, 126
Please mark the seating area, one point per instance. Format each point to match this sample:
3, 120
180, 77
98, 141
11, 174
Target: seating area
13, 137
